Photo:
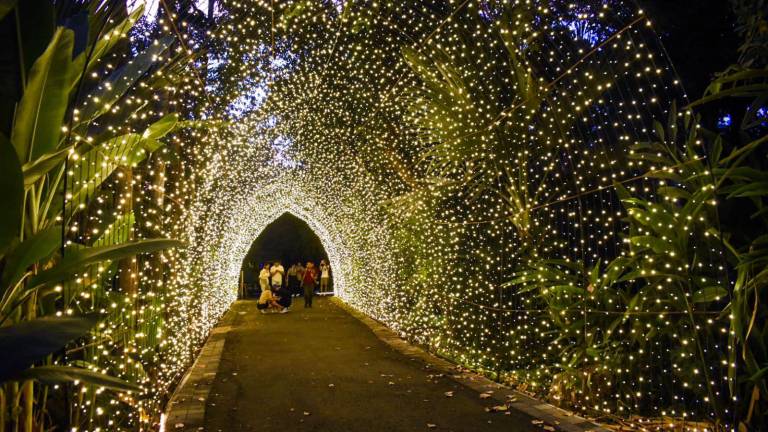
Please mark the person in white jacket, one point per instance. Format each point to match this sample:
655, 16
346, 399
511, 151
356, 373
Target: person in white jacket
264, 278
325, 276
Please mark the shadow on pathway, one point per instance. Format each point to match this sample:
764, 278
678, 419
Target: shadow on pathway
321, 369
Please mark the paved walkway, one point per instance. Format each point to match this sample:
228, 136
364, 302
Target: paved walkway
320, 369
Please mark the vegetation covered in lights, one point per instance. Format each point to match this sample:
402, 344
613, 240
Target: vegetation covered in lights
517, 184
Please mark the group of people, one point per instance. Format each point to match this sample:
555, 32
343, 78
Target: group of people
278, 287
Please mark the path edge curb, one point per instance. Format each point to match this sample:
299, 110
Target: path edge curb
562, 420
185, 410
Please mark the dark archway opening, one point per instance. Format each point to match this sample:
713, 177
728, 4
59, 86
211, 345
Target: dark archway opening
287, 239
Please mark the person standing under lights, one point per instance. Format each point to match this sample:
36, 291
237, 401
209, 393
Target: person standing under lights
277, 272
325, 276
308, 283
264, 277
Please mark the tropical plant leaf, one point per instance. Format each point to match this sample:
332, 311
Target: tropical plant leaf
658, 245
79, 259
31, 341
40, 113
161, 127
58, 374
117, 232
102, 99
709, 294
12, 187
35, 170
97, 164
28, 252
98, 48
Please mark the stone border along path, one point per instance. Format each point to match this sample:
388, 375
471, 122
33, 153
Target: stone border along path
186, 409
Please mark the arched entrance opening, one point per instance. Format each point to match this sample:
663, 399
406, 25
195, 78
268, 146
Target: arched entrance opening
288, 239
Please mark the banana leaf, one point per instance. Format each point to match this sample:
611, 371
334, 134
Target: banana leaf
31, 341
28, 252
12, 187
37, 169
123, 79
97, 48
40, 113
161, 127
58, 374
79, 259
97, 164
118, 231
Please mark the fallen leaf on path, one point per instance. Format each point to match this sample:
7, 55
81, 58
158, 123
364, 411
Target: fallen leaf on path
178, 425
485, 395
306, 413
497, 408
448, 393
537, 422
331, 385
431, 426
550, 428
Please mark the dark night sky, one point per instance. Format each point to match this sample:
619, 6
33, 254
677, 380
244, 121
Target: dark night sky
288, 239
698, 35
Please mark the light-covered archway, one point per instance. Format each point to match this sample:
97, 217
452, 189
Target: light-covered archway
336, 252
353, 227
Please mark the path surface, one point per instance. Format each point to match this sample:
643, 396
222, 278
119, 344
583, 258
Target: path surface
321, 369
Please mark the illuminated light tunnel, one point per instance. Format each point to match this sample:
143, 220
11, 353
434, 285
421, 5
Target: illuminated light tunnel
517, 185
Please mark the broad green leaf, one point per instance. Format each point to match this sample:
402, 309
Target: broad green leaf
58, 374
161, 127
31, 341
102, 99
97, 164
117, 232
709, 294
40, 113
150, 145
98, 48
656, 244
12, 187
35, 170
28, 252
77, 260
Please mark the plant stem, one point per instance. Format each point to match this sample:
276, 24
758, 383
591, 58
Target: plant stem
2, 408
28, 390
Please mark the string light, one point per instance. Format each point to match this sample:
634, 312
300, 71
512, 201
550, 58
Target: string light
458, 161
